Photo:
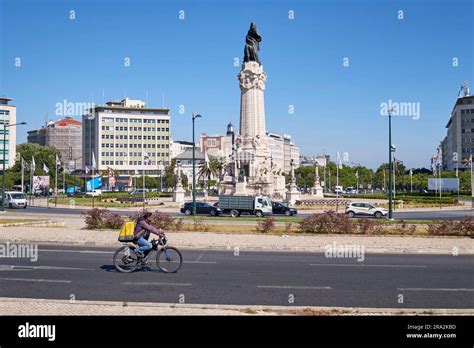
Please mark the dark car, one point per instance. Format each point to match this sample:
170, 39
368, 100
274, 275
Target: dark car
279, 208
201, 208
75, 193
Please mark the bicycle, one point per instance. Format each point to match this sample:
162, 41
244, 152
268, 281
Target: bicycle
168, 259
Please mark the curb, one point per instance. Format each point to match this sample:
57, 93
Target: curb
47, 223
251, 309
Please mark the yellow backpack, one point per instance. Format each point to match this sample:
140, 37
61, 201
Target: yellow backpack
127, 232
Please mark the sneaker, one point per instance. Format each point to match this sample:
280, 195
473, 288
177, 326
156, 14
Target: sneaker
139, 254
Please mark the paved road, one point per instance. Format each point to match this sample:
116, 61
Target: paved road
251, 278
419, 215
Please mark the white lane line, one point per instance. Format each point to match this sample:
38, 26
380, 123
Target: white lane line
210, 262
293, 287
435, 289
199, 257
354, 265
36, 280
156, 283
77, 251
19, 267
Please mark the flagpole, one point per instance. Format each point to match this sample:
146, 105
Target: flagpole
22, 174
56, 183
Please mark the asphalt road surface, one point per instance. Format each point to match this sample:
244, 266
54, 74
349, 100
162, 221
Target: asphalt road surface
419, 215
249, 278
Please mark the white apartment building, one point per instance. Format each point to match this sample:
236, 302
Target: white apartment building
283, 150
7, 116
121, 134
178, 146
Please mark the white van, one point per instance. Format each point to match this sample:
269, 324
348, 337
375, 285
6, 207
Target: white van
15, 199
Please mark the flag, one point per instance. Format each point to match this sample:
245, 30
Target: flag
33, 164
206, 157
22, 164
94, 164
357, 174
45, 168
146, 158
86, 169
339, 162
411, 172
136, 172
58, 163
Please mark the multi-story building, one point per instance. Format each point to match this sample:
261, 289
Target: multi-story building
283, 150
219, 146
186, 161
179, 146
458, 145
7, 116
66, 136
122, 134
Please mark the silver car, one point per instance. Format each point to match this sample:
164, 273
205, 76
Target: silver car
365, 209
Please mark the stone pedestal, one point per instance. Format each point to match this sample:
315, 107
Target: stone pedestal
292, 195
241, 188
317, 192
178, 195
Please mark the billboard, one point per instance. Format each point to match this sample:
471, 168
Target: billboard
96, 182
445, 184
40, 182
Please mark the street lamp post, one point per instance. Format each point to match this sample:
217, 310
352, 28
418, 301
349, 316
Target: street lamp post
390, 208
194, 116
5, 126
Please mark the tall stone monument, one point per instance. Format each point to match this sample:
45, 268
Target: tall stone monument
317, 188
292, 195
179, 192
253, 172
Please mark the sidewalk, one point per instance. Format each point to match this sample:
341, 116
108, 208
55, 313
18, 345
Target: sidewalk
73, 234
25, 306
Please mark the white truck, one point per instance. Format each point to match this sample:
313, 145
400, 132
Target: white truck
252, 205
15, 199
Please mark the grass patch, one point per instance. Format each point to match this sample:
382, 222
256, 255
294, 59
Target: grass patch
10, 221
79, 201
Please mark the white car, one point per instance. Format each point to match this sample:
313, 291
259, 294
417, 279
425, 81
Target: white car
365, 209
15, 199
94, 193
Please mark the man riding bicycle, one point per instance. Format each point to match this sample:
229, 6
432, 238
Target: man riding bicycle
142, 231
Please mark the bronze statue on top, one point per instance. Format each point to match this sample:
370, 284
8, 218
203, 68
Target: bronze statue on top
252, 44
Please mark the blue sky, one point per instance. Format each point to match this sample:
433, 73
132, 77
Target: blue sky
191, 61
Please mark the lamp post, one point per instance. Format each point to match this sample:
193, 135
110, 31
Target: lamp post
194, 116
390, 208
5, 126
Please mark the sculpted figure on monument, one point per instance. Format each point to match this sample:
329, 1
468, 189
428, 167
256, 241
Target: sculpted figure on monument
252, 44
257, 142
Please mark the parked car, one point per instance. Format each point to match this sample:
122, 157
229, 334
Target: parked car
94, 193
279, 208
138, 191
74, 193
365, 209
201, 208
15, 199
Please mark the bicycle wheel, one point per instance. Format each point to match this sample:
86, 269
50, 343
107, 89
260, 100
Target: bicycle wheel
125, 259
169, 259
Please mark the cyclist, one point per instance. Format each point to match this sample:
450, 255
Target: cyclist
142, 231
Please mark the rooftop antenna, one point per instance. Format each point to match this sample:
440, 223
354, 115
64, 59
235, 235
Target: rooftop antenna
464, 91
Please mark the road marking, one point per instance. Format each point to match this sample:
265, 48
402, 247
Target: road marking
210, 262
293, 287
434, 289
37, 280
353, 265
156, 283
19, 267
77, 251
199, 257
